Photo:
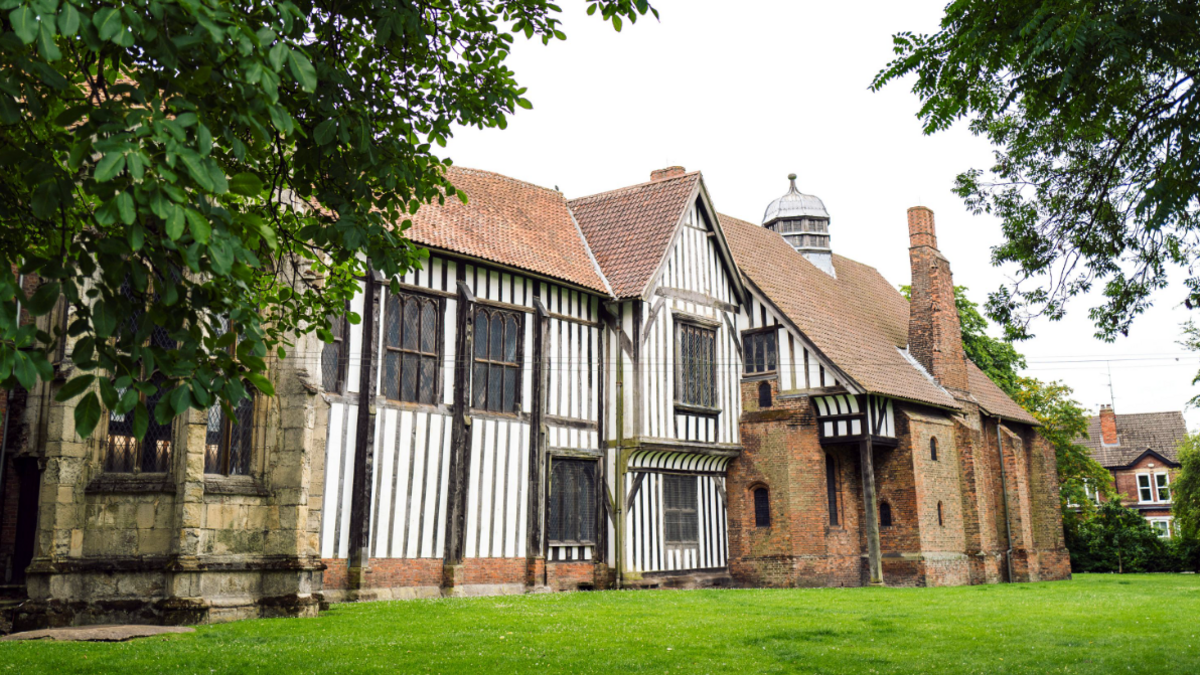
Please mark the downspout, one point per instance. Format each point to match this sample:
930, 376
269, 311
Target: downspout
8, 403
1004, 495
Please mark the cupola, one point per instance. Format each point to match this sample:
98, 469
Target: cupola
804, 223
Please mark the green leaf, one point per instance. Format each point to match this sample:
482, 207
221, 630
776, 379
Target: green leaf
109, 166
23, 369
104, 321
108, 393
46, 45
10, 113
181, 399
199, 226
24, 23
68, 20
141, 420
302, 69
325, 132
43, 299
221, 255
197, 169
246, 184
126, 208
87, 414
261, 383
277, 54
107, 22
74, 387
175, 222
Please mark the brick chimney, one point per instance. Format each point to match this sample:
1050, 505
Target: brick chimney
934, 333
1108, 426
669, 172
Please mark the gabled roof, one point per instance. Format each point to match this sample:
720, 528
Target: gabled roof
858, 321
992, 398
510, 222
1137, 433
630, 229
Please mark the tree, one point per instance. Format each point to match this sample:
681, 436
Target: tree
1063, 420
1118, 539
1185, 489
1093, 109
219, 173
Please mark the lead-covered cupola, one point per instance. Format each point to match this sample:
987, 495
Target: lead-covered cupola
804, 223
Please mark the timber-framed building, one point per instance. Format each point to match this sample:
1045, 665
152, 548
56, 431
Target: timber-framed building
621, 390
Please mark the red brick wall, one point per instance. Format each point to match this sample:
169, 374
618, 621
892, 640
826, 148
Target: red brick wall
387, 573
934, 333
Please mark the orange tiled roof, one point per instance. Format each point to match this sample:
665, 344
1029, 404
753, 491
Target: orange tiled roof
858, 321
510, 222
629, 229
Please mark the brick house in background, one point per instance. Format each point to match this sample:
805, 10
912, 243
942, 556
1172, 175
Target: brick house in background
624, 389
1141, 451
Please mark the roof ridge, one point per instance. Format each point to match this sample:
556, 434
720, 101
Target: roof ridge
629, 188
485, 172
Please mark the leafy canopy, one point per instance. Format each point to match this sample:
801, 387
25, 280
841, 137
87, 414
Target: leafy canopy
180, 165
1185, 489
1094, 112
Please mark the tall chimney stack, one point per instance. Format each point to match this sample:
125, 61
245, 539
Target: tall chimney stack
1108, 426
934, 332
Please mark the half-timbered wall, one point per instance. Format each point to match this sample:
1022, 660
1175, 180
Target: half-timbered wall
413, 441
647, 549
799, 366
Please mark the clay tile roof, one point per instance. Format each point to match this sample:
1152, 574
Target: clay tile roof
1137, 433
510, 222
629, 229
858, 320
992, 398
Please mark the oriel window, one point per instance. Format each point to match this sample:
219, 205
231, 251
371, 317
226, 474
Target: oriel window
572, 501
496, 381
412, 348
696, 374
759, 352
229, 439
335, 355
681, 518
123, 452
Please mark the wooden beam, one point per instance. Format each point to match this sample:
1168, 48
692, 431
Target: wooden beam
650, 320
867, 462
533, 529
460, 427
696, 298
359, 555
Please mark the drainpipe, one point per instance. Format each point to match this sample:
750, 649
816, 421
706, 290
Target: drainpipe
1004, 495
8, 404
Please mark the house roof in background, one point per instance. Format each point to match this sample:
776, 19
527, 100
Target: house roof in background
1137, 433
510, 222
630, 229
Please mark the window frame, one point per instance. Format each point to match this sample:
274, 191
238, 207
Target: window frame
683, 325
754, 335
1146, 494
1163, 486
488, 363
933, 449
692, 513
343, 360
885, 514
591, 526
106, 443
386, 350
1168, 526
227, 425
759, 509
832, 490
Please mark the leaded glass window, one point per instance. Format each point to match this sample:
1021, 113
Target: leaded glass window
496, 381
335, 355
759, 352
696, 372
123, 452
412, 348
572, 501
229, 439
681, 519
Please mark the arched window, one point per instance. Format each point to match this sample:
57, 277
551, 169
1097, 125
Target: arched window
762, 507
764, 394
933, 449
941, 518
831, 488
885, 514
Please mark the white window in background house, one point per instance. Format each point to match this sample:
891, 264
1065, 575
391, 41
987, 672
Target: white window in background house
1153, 488
1163, 526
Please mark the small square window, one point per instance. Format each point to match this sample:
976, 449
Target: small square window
759, 352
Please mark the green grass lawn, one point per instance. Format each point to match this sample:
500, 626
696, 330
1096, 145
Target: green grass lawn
1094, 624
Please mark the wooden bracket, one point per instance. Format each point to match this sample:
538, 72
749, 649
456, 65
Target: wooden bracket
650, 319
733, 333
633, 489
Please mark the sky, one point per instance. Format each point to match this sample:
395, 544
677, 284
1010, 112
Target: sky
751, 94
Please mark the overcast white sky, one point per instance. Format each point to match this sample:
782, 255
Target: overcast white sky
748, 92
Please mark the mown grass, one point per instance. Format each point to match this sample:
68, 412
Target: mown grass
1094, 624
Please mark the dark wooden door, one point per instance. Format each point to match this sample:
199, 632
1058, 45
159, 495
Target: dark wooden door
29, 480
